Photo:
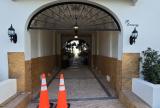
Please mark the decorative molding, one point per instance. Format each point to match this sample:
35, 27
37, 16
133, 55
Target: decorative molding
134, 2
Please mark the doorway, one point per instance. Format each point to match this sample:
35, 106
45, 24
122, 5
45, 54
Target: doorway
52, 32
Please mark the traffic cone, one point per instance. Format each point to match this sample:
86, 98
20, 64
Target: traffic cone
62, 96
44, 98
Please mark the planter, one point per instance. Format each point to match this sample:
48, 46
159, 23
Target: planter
148, 92
8, 88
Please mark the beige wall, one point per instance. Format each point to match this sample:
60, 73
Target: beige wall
105, 57
16, 63
130, 69
40, 65
120, 72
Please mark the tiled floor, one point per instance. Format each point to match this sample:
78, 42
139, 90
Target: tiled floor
83, 90
79, 82
112, 103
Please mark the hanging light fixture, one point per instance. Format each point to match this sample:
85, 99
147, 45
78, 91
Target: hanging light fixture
12, 34
76, 26
75, 36
76, 29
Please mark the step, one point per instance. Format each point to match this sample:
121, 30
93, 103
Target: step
19, 101
130, 100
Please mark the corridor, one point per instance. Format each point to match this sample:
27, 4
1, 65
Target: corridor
80, 84
83, 90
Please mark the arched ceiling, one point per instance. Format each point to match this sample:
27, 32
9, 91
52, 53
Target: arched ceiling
64, 16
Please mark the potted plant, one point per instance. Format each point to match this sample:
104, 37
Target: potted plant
148, 88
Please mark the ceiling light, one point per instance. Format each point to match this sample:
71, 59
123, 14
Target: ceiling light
76, 27
76, 37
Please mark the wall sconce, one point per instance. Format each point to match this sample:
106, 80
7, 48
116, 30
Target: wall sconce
12, 34
133, 36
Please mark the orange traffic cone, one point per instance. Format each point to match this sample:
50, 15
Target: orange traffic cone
44, 98
62, 96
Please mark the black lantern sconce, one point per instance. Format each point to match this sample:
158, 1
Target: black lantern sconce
134, 35
12, 34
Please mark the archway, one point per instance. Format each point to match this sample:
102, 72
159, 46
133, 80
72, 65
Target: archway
49, 23
75, 52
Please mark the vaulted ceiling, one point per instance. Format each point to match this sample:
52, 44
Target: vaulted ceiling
64, 16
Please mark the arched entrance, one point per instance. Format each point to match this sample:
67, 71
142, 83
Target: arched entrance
48, 26
75, 52
88, 17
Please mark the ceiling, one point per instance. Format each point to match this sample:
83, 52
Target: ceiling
64, 16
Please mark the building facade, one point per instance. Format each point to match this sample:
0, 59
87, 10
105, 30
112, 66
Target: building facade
111, 54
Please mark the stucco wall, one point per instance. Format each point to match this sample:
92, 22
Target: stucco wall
108, 44
42, 43
145, 13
